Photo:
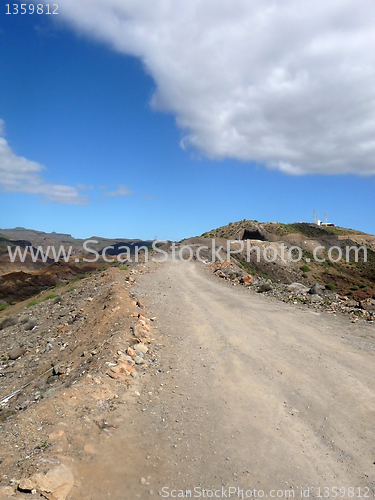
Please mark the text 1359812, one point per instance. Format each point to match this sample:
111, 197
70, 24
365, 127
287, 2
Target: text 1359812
31, 8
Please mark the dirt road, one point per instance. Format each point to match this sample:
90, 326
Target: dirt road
252, 393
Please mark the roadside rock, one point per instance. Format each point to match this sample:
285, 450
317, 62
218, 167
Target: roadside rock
247, 279
297, 288
6, 322
140, 347
139, 361
131, 352
266, 287
30, 324
15, 353
317, 289
316, 298
54, 485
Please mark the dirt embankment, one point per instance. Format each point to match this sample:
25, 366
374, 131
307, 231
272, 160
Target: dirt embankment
68, 365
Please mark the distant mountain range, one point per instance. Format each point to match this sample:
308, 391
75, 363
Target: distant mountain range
23, 238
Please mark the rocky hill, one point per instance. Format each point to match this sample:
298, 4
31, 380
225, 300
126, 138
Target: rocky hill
349, 278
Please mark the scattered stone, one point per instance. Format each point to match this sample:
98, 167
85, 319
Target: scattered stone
26, 484
140, 347
16, 353
139, 361
247, 279
30, 324
317, 289
6, 322
89, 449
316, 298
266, 287
140, 304
131, 352
298, 288
54, 485
56, 435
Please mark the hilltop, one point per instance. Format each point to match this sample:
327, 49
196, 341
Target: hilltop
355, 279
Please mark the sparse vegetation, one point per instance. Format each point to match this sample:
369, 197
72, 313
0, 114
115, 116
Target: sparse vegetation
305, 268
330, 286
123, 268
266, 277
50, 296
32, 303
247, 267
79, 277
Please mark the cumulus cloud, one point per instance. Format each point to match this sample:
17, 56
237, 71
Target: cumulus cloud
120, 191
17, 174
285, 84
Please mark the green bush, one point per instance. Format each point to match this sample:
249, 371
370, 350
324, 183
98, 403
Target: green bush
50, 296
330, 286
32, 303
354, 288
3, 306
79, 277
123, 268
305, 268
266, 277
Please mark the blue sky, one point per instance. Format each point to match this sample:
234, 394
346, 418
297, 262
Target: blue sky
134, 141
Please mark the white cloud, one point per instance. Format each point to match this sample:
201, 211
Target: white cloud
287, 84
120, 191
17, 174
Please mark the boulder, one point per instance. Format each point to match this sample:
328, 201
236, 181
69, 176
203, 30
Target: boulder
266, 287
317, 289
297, 288
140, 347
15, 353
247, 279
54, 485
316, 298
